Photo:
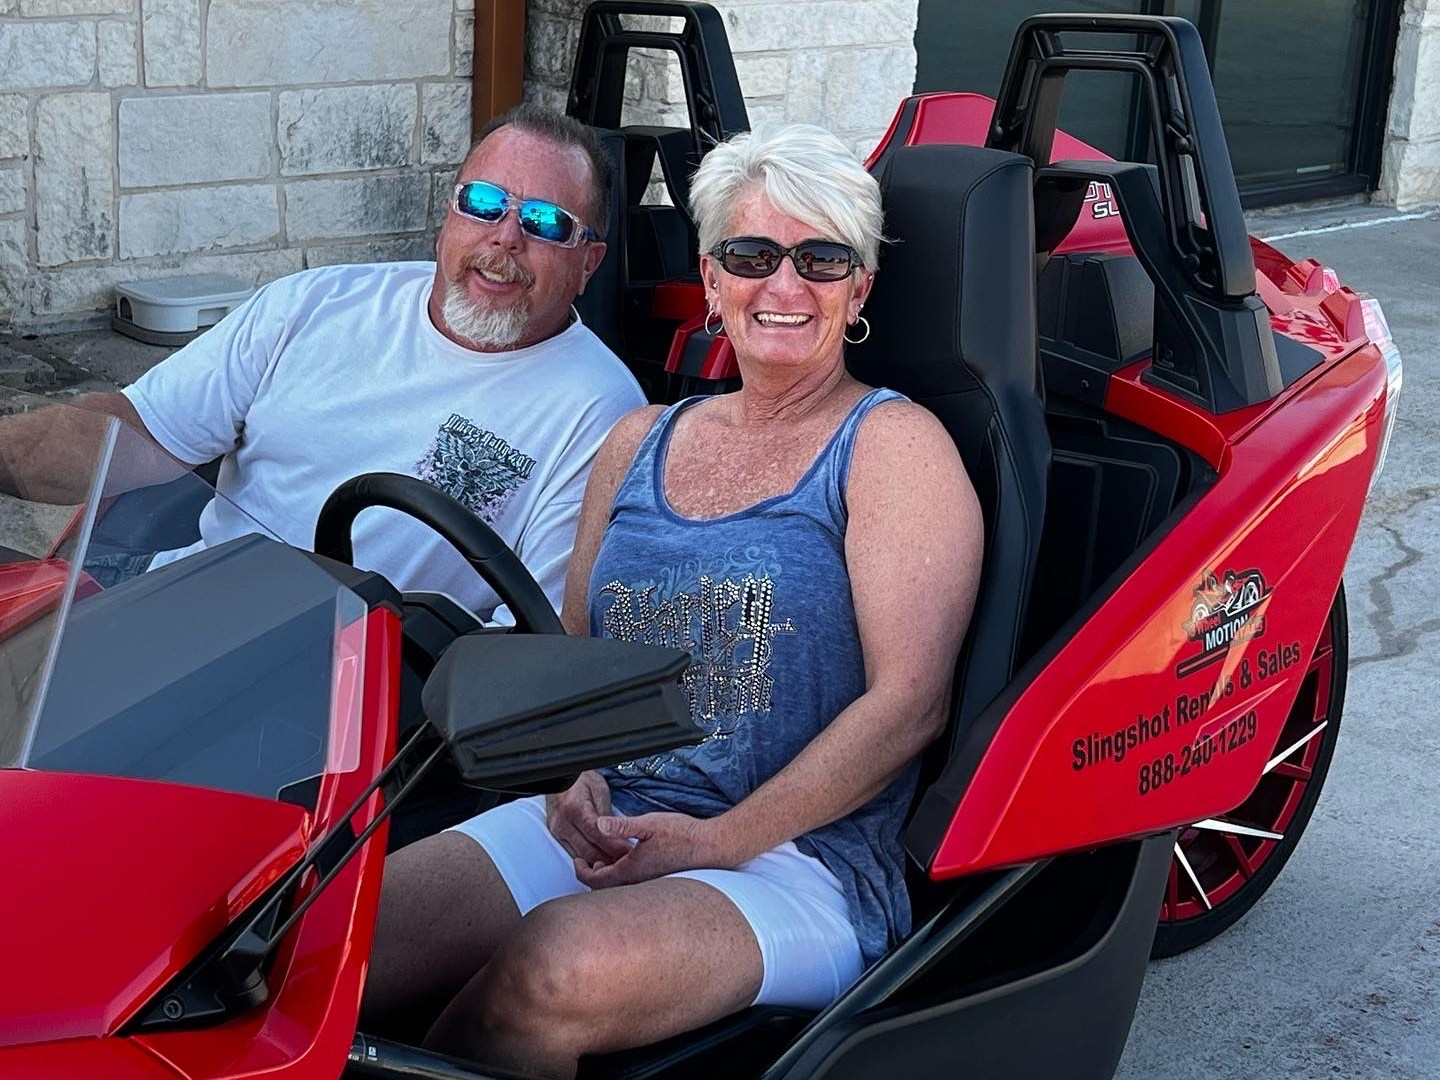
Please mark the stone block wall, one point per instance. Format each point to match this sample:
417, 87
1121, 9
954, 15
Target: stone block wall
144, 138
842, 64
1410, 174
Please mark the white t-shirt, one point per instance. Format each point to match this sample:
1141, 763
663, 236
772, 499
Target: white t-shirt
338, 371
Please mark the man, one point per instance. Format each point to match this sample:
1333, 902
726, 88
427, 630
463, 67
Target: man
473, 373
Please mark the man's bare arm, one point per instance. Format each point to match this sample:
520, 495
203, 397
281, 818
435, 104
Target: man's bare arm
50, 455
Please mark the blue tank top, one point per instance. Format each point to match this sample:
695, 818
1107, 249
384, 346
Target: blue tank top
761, 600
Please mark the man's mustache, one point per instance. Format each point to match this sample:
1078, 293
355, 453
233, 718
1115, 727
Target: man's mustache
500, 265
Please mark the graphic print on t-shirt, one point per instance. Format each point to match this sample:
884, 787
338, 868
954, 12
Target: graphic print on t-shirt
475, 466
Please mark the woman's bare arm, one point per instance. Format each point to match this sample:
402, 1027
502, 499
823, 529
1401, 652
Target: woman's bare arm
611, 464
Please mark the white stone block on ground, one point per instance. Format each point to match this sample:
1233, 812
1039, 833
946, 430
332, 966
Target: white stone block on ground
1411, 173
14, 125
119, 53
12, 190
269, 42
446, 132
40, 8
365, 206
346, 129
46, 54
172, 32
92, 288
74, 178
403, 249
194, 138
198, 219
1417, 91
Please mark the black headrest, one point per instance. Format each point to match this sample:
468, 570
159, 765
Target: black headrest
953, 308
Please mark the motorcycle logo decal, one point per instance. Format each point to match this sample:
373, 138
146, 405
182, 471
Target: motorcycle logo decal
1100, 197
727, 625
1223, 613
475, 466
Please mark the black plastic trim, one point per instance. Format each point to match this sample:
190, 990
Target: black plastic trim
712, 89
374, 589
1183, 216
1077, 1008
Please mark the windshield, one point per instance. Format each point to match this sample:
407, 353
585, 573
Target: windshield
125, 651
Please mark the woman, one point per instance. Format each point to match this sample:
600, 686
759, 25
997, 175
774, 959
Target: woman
815, 544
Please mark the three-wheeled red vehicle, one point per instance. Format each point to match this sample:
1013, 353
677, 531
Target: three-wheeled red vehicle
1172, 428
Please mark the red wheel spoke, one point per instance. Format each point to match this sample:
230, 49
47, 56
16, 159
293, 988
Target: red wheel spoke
1307, 740
1217, 862
1242, 860
1292, 772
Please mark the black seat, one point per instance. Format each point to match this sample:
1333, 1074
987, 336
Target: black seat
602, 304
953, 328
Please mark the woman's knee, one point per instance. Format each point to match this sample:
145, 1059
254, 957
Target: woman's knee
550, 974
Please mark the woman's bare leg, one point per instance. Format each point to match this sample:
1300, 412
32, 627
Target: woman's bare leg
443, 910
604, 971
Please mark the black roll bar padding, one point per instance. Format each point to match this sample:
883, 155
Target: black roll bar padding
1198, 195
1220, 352
1213, 342
712, 89
489, 555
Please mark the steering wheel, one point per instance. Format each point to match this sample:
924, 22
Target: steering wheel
487, 554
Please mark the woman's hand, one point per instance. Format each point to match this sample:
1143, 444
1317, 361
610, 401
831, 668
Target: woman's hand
571, 818
662, 844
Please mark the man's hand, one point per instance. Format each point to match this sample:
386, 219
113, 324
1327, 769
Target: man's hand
571, 818
663, 844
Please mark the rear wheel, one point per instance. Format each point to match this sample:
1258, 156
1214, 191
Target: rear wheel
1221, 867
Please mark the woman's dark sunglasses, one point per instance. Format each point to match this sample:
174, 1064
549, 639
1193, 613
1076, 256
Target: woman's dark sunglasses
539, 218
758, 257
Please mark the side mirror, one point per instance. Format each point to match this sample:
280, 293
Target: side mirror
520, 709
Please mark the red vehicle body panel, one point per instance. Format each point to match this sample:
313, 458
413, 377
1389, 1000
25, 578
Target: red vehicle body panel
156, 883
83, 1059
1292, 477
30, 589
1288, 502
181, 841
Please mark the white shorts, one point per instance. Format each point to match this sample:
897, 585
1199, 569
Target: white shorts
793, 903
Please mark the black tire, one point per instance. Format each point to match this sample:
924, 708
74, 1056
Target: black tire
1176, 936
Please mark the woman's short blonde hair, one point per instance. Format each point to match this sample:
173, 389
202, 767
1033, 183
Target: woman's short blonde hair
807, 172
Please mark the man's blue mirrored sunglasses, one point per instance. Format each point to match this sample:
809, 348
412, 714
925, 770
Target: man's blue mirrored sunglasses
539, 218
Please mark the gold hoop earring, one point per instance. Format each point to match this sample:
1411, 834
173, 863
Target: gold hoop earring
862, 337
710, 313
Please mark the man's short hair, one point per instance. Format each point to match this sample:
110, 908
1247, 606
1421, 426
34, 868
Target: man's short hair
562, 130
